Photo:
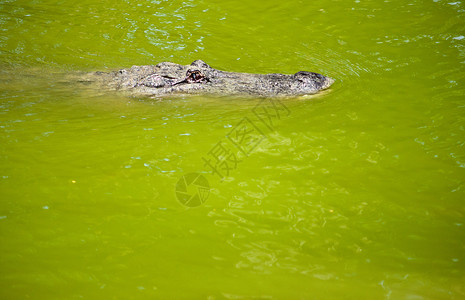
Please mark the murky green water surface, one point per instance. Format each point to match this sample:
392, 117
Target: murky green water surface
357, 193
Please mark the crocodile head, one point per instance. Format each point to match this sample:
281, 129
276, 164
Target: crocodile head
199, 78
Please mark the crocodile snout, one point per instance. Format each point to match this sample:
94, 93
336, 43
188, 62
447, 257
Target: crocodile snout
327, 83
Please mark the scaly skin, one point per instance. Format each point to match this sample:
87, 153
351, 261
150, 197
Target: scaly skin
168, 78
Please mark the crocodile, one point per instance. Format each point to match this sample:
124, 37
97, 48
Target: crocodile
169, 78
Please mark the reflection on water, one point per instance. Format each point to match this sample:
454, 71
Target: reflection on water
37, 32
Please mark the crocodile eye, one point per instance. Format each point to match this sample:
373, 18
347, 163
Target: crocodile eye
194, 76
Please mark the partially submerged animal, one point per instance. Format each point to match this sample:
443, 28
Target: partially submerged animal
168, 78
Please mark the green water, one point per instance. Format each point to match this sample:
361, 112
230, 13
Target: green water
357, 193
